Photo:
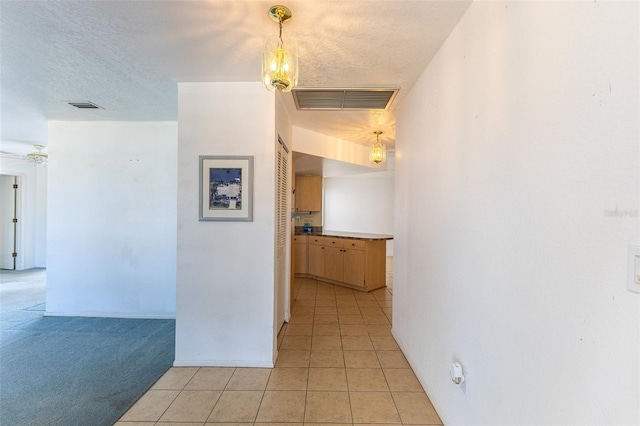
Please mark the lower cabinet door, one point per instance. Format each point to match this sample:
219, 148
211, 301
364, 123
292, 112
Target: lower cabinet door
333, 263
301, 258
316, 260
354, 267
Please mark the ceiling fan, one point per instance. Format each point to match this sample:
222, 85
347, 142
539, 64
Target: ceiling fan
36, 157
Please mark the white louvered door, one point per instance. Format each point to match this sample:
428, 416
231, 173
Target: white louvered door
282, 221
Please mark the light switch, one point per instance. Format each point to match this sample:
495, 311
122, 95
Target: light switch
633, 268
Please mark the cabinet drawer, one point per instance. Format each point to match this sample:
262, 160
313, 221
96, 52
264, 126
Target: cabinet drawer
316, 241
355, 244
334, 242
301, 239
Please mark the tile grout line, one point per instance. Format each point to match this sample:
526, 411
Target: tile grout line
264, 392
306, 389
171, 403
224, 389
217, 399
313, 324
219, 396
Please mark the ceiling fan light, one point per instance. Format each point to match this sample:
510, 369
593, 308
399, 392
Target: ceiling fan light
38, 157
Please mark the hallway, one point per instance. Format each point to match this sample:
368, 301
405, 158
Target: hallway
338, 363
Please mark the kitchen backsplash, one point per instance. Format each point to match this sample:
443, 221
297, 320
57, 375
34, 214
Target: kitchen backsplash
309, 219
308, 230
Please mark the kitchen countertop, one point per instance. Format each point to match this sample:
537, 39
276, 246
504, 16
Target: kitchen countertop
352, 235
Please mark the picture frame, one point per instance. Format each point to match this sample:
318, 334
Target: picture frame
226, 188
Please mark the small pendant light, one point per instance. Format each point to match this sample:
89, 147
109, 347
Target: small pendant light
377, 151
279, 59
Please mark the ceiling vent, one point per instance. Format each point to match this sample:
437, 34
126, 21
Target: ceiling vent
343, 99
84, 105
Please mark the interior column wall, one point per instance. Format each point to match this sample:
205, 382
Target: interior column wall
225, 281
517, 150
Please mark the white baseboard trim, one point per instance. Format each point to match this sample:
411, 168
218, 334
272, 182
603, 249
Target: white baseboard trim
108, 315
412, 365
221, 363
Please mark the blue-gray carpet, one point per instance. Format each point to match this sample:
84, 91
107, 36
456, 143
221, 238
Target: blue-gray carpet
77, 371
81, 371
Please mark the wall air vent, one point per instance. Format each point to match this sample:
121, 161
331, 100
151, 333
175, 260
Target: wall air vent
84, 105
343, 99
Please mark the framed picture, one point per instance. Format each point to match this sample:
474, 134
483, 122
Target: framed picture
226, 188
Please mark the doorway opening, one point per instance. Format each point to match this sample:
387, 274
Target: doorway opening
9, 221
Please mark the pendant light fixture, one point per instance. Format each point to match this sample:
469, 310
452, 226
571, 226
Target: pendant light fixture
377, 151
279, 59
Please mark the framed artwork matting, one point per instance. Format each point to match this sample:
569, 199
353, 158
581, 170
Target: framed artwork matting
226, 188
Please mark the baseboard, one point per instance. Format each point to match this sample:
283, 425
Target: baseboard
221, 363
340, 283
412, 365
108, 315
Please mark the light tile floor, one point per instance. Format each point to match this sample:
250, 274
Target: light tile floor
338, 363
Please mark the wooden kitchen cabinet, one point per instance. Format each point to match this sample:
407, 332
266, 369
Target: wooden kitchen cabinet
316, 256
301, 254
344, 260
355, 263
308, 193
333, 259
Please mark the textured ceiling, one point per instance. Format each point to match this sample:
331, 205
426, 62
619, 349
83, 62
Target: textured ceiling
127, 56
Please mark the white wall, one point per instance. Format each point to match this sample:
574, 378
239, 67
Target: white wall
32, 211
519, 137
314, 143
361, 203
112, 219
225, 288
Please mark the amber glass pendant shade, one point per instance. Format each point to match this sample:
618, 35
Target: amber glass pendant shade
279, 58
377, 151
279, 65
